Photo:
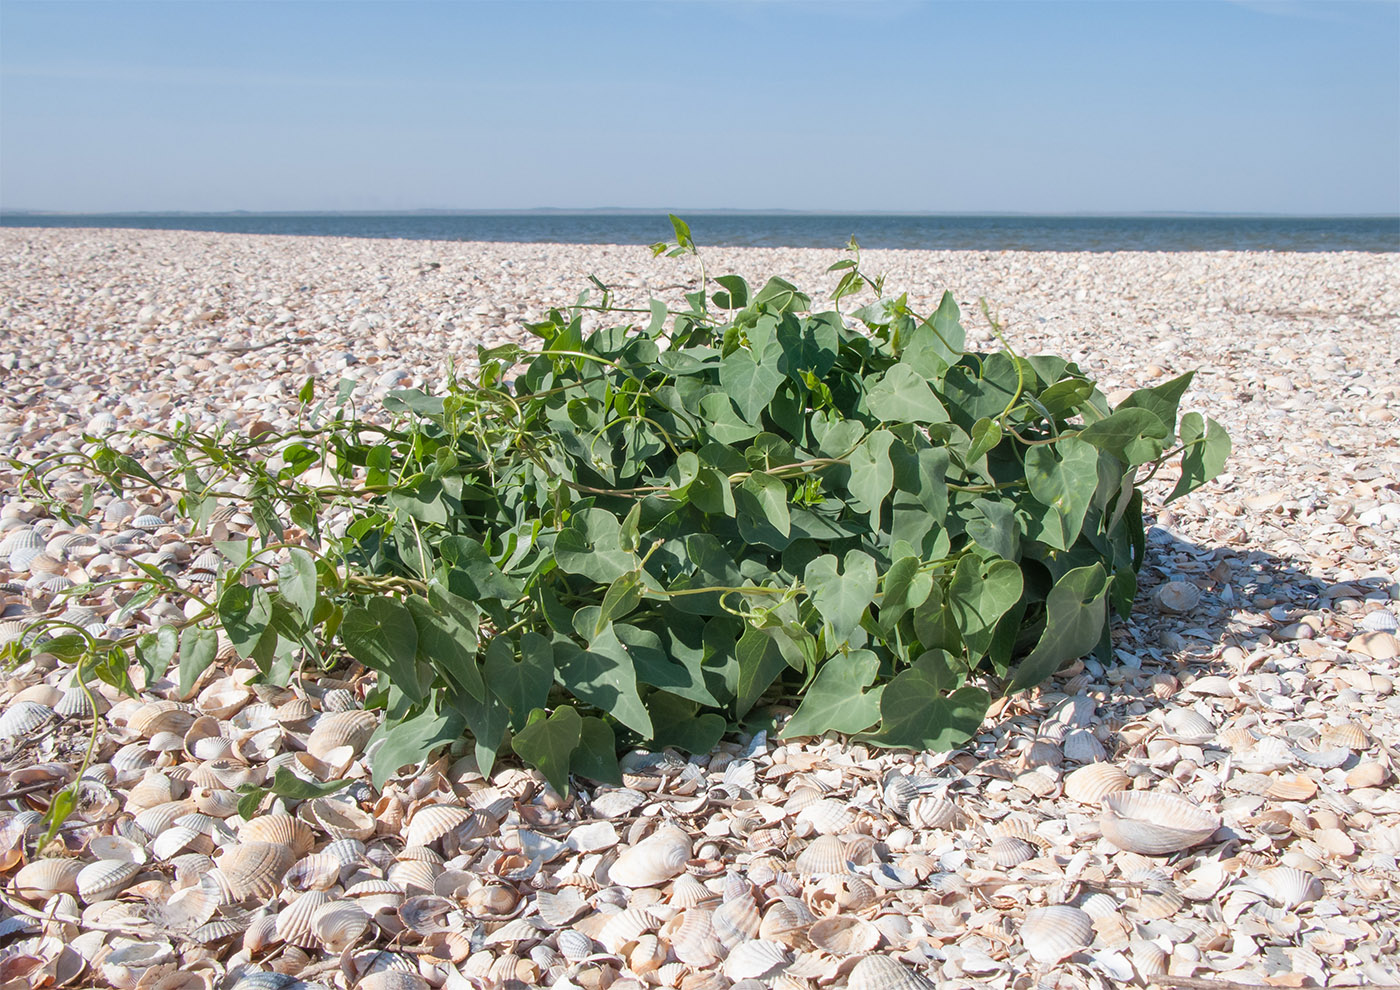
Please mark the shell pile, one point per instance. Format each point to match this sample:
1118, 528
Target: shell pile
1218, 804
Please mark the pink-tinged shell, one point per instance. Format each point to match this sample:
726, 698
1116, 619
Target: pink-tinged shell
281, 830
693, 938
1155, 823
294, 922
433, 821
1092, 783
340, 924
786, 920
885, 973
427, 914
1186, 725
827, 817
1082, 746
1053, 933
160, 716
1287, 886
689, 891
844, 935
1009, 850
341, 729
338, 818
736, 920
933, 813
657, 858
41, 879
626, 926
756, 960
253, 869
824, 855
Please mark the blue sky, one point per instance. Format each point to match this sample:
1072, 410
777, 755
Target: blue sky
1121, 106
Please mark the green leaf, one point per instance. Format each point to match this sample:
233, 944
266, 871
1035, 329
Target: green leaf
916, 714
935, 345
980, 594
1162, 400
1063, 478
198, 648
591, 546
286, 784
383, 636
246, 614
837, 700
622, 596
993, 527
781, 296
1118, 431
410, 742
872, 472
711, 493
760, 663
471, 562
156, 651
296, 581
762, 508
1208, 450
736, 294
903, 395
596, 755
986, 434
750, 385
422, 500
1075, 612
678, 724
522, 684
447, 639
841, 599
548, 743
604, 677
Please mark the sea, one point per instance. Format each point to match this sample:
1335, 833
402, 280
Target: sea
957, 232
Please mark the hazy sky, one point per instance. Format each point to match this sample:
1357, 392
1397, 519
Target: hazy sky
1041, 106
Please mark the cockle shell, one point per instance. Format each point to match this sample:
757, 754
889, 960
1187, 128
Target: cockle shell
1285, 886
1155, 823
1009, 850
786, 920
557, 909
573, 945
294, 922
252, 869
340, 730
1177, 596
626, 926
160, 716
41, 879
736, 920
281, 830
105, 879
933, 813
885, 973
756, 960
1056, 932
1082, 746
824, 855
24, 718
431, 822
656, 859
1092, 783
428, 913
1188, 726
844, 935
339, 924
1347, 735
826, 817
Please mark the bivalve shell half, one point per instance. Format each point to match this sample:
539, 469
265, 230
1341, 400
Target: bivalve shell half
339, 730
161, 716
294, 922
253, 869
1186, 725
1286, 886
1053, 933
105, 879
340, 924
1155, 823
824, 856
1009, 850
434, 821
428, 914
1092, 783
885, 973
41, 879
24, 718
656, 859
279, 830
844, 935
757, 960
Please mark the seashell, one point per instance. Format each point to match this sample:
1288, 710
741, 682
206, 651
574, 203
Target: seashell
1149, 959
656, 859
218, 930
827, 817
1177, 596
1082, 746
227, 774
338, 817
885, 973
207, 562
557, 909
757, 960
216, 802
1009, 851
1188, 726
188, 908
626, 926
160, 716
339, 700
736, 920
157, 819
260, 934
573, 945
1381, 620
105, 879
116, 847
339, 924
1328, 759
1159, 897
1294, 787
132, 759
152, 790
933, 813
825, 855
23, 558
786, 920
1366, 775
279, 830
24, 719
392, 980
1053, 933
433, 821
43, 878
1155, 823
76, 703
688, 892
415, 875
428, 913
844, 935
1347, 735
493, 900
252, 869
22, 538
1286, 886
128, 960
148, 523
294, 921
1090, 784
338, 730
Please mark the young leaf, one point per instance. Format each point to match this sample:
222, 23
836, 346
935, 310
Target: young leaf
548, 743
837, 700
296, 581
198, 647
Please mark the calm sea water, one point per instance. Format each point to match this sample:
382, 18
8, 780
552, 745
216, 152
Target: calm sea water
962, 233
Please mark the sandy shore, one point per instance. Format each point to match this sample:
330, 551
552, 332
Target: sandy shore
1296, 553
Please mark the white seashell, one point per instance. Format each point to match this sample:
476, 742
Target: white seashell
1082, 746
885, 973
281, 830
1286, 886
173, 841
825, 855
1009, 851
1149, 959
434, 821
428, 913
340, 924
557, 909
105, 879
1381, 620
1053, 933
736, 920
116, 847
844, 935
933, 813
1091, 783
626, 926
757, 960
1177, 596
1188, 726
253, 869
1155, 823
657, 858
294, 921
129, 959
827, 817
24, 719
339, 730
43, 878
573, 945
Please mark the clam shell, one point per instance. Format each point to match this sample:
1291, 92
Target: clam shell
844, 935
656, 859
431, 822
1155, 823
279, 830
1149, 959
105, 879
253, 869
340, 924
736, 920
757, 960
933, 813
160, 716
318, 871
1381, 620
294, 922
559, 908
189, 908
217, 802
824, 855
24, 718
1082, 746
1188, 726
1286, 886
1053, 933
1009, 851
786, 920
41, 879
1347, 735
1177, 596
827, 817
573, 945
1092, 783
885, 973
339, 730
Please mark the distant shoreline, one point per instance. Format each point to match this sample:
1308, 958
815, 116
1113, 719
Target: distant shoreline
609, 211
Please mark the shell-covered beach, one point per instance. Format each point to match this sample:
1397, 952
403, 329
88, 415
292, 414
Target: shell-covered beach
1216, 809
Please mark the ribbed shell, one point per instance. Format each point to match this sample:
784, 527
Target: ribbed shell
41, 879
885, 973
844, 935
1092, 783
105, 879
339, 730
823, 856
656, 859
279, 830
431, 822
340, 924
1155, 824
294, 922
1056, 932
254, 868
23, 719
757, 960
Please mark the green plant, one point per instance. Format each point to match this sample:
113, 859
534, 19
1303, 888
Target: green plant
662, 525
